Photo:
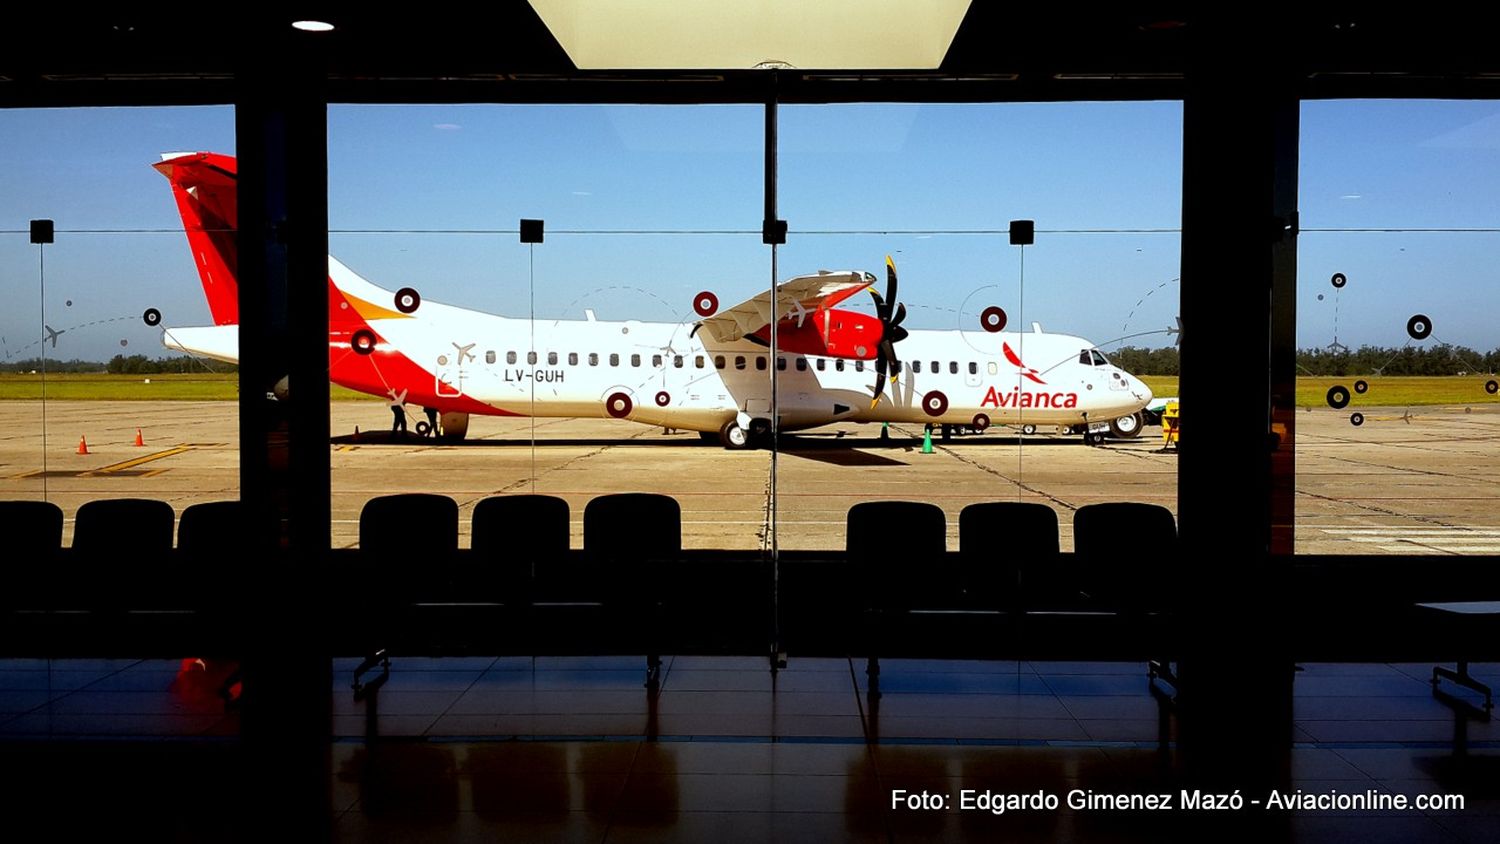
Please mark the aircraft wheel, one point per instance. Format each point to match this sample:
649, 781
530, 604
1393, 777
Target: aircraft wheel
423, 429
1028, 430
733, 437
454, 426
760, 433
1127, 427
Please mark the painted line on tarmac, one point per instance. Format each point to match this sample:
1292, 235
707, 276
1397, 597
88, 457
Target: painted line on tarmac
129, 464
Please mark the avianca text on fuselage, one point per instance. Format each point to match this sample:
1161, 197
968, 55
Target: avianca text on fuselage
1026, 398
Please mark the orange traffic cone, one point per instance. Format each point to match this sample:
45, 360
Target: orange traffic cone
83, 445
138, 439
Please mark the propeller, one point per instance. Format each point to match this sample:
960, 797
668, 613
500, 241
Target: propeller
891, 313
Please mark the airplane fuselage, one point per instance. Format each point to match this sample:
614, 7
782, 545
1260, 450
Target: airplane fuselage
670, 375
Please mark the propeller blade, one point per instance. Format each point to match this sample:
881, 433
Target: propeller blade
900, 313
880, 371
890, 278
897, 333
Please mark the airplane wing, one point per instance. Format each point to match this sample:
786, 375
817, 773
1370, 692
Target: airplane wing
797, 299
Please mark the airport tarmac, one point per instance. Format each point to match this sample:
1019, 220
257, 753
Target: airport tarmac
1420, 484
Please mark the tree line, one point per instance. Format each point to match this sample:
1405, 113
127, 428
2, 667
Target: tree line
1439, 359
119, 365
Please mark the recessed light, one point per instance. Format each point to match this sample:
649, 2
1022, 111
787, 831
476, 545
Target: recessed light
312, 26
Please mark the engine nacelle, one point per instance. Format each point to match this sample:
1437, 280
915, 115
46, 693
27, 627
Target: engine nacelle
832, 333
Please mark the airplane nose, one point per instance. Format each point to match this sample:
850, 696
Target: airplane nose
1141, 391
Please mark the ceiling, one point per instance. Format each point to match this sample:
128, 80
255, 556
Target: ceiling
505, 52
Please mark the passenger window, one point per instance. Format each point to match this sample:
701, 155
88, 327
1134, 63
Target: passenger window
916, 366
839, 364
698, 361
614, 360
572, 358
739, 361
489, 357
760, 363
510, 357
531, 357
801, 364
677, 361
993, 368
935, 368
973, 368
635, 360
953, 367
781, 364
859, 366
656, 361
593, 358
718, 361
552, 358
822, 364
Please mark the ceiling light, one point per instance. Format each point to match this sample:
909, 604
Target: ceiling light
826, 35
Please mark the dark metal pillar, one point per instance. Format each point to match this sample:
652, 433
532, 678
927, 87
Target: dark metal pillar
281, 139
1240, 123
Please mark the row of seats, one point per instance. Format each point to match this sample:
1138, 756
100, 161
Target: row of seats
882, 532
411, 523
398, 588
1009, 554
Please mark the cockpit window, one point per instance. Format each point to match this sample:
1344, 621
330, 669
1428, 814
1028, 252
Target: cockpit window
1085, 358
1099, 359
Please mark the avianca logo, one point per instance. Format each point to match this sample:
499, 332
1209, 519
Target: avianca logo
1015, 359
1016, 398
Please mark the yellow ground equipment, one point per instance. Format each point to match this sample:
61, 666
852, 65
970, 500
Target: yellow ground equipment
1169, 425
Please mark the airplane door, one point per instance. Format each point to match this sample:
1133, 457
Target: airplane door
448, 376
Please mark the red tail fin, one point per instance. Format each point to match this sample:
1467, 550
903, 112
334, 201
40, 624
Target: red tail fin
204, 186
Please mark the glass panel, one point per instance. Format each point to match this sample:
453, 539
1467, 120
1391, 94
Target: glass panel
1397, 351
991, 338
112, 387
645, 214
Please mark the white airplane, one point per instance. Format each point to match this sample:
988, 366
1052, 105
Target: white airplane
712, 376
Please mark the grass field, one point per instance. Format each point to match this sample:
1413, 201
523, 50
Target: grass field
197, 386
1390, 391
1387, 391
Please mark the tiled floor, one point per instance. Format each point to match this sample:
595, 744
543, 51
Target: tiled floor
567, 749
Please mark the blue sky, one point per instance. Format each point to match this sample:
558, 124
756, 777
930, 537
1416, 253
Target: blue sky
934, 168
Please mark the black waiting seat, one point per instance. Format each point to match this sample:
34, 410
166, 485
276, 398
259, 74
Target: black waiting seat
210, 528
627, 538
31, 527
519, 541
137, 527
1008, 553
33, 535
403, 540
1127, 552
211, 536
897, 551
118, 545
